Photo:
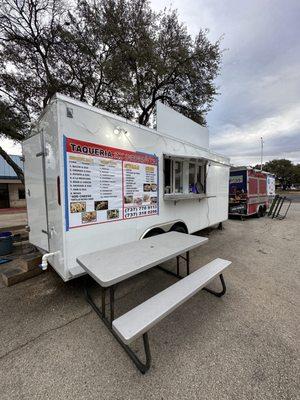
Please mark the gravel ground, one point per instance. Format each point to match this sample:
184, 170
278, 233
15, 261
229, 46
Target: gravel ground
242, 346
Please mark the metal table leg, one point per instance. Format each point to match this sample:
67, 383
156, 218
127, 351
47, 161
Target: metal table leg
176, 274
103, 301
187, 262
112, 303
142, 367
218, 294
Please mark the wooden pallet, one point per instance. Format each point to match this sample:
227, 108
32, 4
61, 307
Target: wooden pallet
21, 268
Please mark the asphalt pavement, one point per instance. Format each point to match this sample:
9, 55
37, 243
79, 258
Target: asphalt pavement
242, 346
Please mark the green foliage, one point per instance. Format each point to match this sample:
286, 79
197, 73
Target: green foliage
286, 172
297, 174
118, 55
12, 124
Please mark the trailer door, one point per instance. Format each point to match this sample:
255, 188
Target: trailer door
35, 192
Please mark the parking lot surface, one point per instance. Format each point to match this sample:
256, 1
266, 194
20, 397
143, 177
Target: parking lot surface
244, 345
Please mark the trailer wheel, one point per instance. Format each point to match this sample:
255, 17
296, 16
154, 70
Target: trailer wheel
260, 212
178, 228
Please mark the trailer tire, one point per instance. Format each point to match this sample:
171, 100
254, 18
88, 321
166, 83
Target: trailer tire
178, 228
260, 212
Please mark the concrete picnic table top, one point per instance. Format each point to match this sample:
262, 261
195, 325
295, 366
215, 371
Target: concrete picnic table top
115, 264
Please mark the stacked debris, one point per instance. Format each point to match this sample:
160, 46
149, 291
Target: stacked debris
19, 260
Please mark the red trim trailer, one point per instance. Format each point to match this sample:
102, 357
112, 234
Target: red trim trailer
249, 191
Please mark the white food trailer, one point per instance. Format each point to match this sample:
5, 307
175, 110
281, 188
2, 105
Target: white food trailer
95, 180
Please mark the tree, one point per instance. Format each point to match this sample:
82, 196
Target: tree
284, 170
297, 174
11, 125
118, 55
162, 62
27, 65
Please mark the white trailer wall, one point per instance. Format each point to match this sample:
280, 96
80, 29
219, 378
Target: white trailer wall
73, 119
177, 125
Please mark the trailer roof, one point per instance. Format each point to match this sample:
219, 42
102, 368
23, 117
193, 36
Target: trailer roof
212, 156
249, 168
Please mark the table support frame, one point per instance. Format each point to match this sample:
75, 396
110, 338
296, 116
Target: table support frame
223, 291
142, 366
177, 273
187, 260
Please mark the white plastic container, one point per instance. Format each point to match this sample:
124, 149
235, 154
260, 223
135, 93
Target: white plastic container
95, 180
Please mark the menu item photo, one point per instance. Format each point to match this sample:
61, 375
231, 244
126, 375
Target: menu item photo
128, 199
112, 214
138, 201
146, 198
101, 205
88, 217
76, 207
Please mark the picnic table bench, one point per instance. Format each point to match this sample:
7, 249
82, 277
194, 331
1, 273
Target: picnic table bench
110, 266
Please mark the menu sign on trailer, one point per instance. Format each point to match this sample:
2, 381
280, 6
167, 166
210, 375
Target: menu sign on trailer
105, 184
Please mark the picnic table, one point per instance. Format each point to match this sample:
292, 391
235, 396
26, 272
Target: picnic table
110, 266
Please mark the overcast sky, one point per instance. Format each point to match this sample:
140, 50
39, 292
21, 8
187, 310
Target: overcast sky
260, 76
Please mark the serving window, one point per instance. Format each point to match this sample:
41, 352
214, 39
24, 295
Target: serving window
184, 176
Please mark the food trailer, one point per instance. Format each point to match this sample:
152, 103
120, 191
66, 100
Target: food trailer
250, 191
95, 180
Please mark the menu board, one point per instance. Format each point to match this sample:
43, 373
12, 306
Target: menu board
270, 185
106, 184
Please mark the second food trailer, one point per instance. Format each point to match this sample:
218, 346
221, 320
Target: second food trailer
250, 191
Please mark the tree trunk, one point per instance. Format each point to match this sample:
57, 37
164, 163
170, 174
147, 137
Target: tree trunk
12, 164
143, 118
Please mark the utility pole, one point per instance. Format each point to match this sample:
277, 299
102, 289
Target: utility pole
261, 152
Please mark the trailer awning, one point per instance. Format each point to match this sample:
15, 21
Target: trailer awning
213, 158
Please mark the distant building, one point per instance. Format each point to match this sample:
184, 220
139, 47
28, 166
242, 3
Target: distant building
12, 191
